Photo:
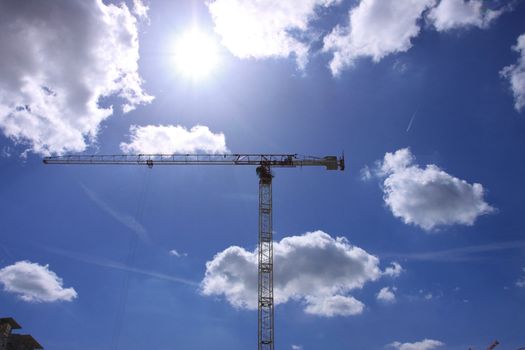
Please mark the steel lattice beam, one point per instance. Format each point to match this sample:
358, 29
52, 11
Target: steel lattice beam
273, 160
265, 270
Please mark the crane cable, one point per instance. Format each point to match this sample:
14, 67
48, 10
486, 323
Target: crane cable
130, 262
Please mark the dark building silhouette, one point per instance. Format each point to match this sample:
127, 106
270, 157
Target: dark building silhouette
13, 341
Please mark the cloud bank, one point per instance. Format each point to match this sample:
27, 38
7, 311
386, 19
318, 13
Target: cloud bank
314, 268
173, 139
428, 196
59, 59
35, 283
374, 28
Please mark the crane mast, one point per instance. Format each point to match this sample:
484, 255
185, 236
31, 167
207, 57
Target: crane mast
265, 261
264, 163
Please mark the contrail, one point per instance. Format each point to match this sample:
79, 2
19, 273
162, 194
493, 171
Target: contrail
411, 121
98, 261
125, 219
459, 254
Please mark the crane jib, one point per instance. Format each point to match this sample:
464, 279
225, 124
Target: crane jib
269, 160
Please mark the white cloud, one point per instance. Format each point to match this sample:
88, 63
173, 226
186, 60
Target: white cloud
173, 139
6, 152
426, 344
334, 305
365, 173
314, 268
59, 58
376, 29
453, 14
139, 9
386, 295
394, 271
176, 253
429, 296
297, 347
400, 67
515, 73
34, 283
521, 281
428, 197
263, 29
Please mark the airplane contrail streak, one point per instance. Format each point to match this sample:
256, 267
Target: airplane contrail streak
411, 121
98, 261
125, 219
459, 254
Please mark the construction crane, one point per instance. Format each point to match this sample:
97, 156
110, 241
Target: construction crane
264, 164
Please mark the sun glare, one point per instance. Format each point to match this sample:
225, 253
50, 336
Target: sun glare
195, 55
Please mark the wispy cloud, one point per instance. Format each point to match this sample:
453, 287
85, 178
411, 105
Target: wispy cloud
521, 281
125, 219
103, 262
468, 253
176, 253
6, 152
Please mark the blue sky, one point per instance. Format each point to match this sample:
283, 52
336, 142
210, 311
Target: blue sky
419, 244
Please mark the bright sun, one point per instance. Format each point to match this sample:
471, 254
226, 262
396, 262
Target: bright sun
195, 54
